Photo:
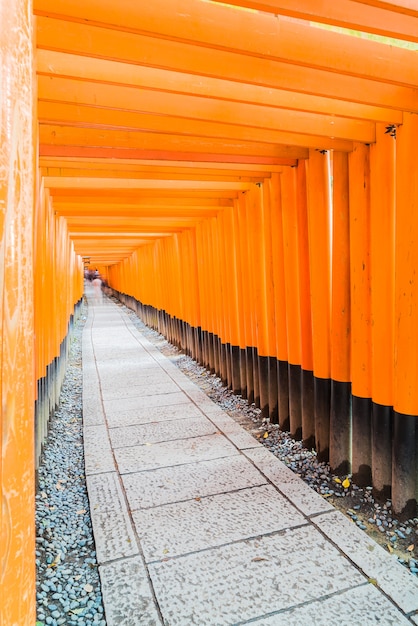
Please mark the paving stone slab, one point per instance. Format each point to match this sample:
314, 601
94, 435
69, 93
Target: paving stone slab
118, 362
179, 452
414, 619
114, 391
127, 595
362, 606
113, 533
134, 378
140, 434
91, 386
184, 527
98, 454
144, 402
184, 383
207, 405
93, 412
236, 583
239, 437
303, 497
372, 559
118, 417
194, 480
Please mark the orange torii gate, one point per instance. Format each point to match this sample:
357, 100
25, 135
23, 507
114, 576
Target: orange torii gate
244, 179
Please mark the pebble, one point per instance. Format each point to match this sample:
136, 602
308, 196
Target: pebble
60, 530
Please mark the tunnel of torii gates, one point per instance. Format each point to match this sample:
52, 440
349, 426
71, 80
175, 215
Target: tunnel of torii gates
245, 179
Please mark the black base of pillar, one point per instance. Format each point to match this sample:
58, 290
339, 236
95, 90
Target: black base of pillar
322, 400
295, 401
213, 350
340, 427
250, 374
362, 441
283, 395
243, 372
404, 472
382, 435
223, 365
263, 374
236, 369
273, 391
256, 378
308, 409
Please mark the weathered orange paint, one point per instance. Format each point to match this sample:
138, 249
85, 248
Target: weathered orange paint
406, 264
303, 265
319, 253
360, 271
223, 28
75, 66
280, 309
378, 19
382, 249
291, 264
17, 391
341, 308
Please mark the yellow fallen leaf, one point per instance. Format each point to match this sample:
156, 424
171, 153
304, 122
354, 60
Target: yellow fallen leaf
265, 435
56, 561
411, 547
165, 551
372, 581
390, 548
346, 483
77, 611
337, 480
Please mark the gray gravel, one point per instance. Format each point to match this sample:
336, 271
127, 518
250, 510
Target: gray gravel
68, 585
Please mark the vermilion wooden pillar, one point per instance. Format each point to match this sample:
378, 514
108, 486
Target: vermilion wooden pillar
280, 312
17, 375
360, 279
307, 380
293, 319
405, 435
340, 417
382, 233
318, 187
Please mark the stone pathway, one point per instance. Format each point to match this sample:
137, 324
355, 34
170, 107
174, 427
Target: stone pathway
196, 523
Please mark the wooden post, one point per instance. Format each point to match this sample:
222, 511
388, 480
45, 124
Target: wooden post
318, 186
280, 312
382, 232
307, 381
340, 417
291, 260
17, 375
405, 436
359, 186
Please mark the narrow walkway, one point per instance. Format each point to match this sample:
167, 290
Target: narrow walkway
196, 523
